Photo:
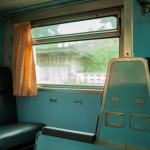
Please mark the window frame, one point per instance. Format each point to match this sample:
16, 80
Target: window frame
84, 36
79, 17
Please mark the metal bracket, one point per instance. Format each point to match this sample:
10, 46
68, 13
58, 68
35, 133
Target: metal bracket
79, 102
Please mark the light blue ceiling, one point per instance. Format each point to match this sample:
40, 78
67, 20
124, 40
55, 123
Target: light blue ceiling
8, 5
34, 5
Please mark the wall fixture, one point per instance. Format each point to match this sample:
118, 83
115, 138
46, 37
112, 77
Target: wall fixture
145, 5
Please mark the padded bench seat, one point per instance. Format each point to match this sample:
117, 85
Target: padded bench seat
13, 133
69, 134
18, 133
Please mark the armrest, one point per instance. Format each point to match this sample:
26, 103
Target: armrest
69, 134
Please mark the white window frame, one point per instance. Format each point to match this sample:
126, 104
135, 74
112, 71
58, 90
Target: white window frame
76, 37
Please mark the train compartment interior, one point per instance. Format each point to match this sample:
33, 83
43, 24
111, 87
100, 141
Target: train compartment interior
74, 74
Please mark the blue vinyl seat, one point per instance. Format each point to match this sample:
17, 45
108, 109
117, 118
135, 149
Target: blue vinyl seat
12, 132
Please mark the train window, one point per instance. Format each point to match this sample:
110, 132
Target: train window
100, 24
76, 53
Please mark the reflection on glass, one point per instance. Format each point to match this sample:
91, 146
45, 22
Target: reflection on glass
75, 63
99, 24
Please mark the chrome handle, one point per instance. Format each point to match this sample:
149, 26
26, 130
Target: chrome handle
53, 100
79, 102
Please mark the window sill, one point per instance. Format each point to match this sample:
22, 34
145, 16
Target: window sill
71, 89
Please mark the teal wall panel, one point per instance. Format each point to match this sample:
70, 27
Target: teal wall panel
2, 41
62, 114
128, 86
141, 32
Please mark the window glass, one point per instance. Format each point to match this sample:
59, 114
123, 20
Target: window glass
75, 63
100, 24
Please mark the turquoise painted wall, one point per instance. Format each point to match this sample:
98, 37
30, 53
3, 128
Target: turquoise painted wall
2, 42
64, 113
141, 32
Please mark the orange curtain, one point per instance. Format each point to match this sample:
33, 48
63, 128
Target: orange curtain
24, 77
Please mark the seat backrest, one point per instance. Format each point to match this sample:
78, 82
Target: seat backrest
125, 112
8, 112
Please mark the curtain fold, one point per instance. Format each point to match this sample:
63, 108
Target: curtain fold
24, 76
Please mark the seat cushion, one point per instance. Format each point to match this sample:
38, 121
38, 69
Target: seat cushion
69, 134
18, 133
